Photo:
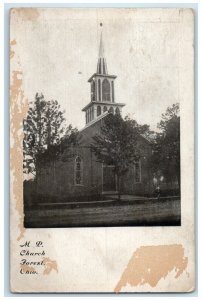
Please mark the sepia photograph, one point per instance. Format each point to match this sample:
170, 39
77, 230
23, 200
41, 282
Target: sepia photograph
102, 149
101, 142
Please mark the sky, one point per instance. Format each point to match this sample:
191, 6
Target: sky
58, 52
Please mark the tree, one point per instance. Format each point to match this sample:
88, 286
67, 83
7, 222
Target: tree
171, 112
143, 130
43, 128
166, 154
60, 150
117, 144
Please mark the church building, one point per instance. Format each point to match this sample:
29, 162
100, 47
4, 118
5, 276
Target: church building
82, 175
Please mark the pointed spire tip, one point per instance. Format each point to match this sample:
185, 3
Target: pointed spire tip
101, 49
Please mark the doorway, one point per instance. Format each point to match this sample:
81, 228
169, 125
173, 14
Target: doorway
109, 179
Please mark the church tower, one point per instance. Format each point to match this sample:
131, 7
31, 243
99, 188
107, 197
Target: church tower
102, 91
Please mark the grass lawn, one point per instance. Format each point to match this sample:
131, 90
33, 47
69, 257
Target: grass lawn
139, 212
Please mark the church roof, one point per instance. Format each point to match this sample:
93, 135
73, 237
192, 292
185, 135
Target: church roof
94, 121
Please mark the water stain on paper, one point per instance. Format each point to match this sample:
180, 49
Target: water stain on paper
18, 110
149, 264
12, 52
49, 265
25, 14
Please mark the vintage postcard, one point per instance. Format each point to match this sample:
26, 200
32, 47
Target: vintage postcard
102, 150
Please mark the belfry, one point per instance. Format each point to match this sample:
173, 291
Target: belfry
102, 91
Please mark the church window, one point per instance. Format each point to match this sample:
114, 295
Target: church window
105, 90
78, 170
137, 171
98, 111
117, 111
104, 109
111, 110
112, 91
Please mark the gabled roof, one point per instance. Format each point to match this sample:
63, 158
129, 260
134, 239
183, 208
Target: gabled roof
146, 139
95, 121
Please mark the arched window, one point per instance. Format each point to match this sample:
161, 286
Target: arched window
111, 110
105, 90
117, 111
104, 108
99, 89
93, 90
112, 91
78, 171
137, 171
98, 111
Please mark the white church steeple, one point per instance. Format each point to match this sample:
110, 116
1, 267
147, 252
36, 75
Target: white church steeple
102, 90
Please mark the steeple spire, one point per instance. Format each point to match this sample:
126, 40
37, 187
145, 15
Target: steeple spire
101, 49
101, 65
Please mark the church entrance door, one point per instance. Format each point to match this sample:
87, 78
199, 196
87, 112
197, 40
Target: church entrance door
109, 179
